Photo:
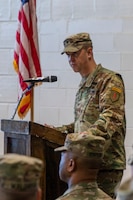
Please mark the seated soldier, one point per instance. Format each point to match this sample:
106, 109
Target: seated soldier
81, 157
130, 162
125, 190
19, 177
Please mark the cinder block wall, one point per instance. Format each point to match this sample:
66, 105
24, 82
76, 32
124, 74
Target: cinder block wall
110, 24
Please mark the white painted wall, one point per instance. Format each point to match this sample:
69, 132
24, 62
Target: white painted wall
110, 24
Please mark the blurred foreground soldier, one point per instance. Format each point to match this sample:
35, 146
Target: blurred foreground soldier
125, 190
81, 157
19, 177
130, 162
99, 108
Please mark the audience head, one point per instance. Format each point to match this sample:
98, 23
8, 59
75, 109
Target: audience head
20, 177
80, 154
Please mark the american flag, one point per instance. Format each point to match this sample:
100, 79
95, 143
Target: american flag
26, 53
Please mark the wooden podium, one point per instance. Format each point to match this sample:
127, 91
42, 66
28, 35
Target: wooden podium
32, 139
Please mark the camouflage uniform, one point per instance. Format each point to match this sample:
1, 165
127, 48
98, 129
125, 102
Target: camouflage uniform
84, 146
84, 191
19, 173
100, 109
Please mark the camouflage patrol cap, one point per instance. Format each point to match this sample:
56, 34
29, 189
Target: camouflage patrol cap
125, 190
85, 145
19, 172
75, 42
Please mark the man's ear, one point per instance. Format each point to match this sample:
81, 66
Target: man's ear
89, 52
39, 194
71, 165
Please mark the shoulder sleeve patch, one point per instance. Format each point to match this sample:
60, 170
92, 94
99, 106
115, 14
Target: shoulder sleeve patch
115, 94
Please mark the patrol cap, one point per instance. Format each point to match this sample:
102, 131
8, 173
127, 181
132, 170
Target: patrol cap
125, 190
75, 42
85, 145
19, 172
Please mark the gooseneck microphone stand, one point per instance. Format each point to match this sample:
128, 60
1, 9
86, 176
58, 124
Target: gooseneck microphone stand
23, 93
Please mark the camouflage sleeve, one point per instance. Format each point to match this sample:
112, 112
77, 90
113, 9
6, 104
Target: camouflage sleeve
66, 128
112, 108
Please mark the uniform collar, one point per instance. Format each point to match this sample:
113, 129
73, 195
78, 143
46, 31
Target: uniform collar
87, 81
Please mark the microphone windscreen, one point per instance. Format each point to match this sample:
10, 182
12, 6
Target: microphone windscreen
53, 78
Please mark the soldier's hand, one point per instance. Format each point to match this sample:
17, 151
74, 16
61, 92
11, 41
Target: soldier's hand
49, 126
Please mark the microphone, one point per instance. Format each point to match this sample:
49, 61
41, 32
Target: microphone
42, 79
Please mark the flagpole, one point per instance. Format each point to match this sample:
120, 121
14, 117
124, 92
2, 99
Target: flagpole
32, 105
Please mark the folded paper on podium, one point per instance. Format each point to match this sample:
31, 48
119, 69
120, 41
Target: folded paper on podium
32, 139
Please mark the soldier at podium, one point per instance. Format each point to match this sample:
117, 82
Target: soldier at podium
19, 177
81, 157
99, 107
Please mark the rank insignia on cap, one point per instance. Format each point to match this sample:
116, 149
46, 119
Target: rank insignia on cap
115, 94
